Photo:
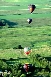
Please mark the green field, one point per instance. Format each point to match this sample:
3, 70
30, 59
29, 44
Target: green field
36, 34
18, 31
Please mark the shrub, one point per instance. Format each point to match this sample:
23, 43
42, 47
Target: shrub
23, 75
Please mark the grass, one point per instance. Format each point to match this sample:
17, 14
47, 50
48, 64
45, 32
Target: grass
45, 51
36, 35
32, 37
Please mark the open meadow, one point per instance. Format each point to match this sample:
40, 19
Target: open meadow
17, 31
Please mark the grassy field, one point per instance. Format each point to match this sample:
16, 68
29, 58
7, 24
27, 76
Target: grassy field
33, 37
18, 31
15, 15
15, 53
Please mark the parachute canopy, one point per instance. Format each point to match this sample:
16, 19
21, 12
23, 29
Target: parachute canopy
27, 50
29, 20
27, 67
31, 8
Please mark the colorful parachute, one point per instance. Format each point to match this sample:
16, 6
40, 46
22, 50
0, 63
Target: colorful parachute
28, 67
25, 67
27, 50
29, 20
32, 8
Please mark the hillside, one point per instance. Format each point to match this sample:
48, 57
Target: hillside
15, 16
15, 31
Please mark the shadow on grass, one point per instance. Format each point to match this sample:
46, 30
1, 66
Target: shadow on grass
16, 14
2, 23
2, 15
48, 58
13, 61
10, 24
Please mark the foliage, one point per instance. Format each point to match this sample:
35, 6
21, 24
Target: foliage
3, 65
23, 75
17, 34
41, 66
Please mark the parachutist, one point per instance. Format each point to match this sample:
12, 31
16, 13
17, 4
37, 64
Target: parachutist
29, 20
32, 8
27, 50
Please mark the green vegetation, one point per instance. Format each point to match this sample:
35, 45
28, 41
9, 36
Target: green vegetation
17, 31
33, 37
41, 67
